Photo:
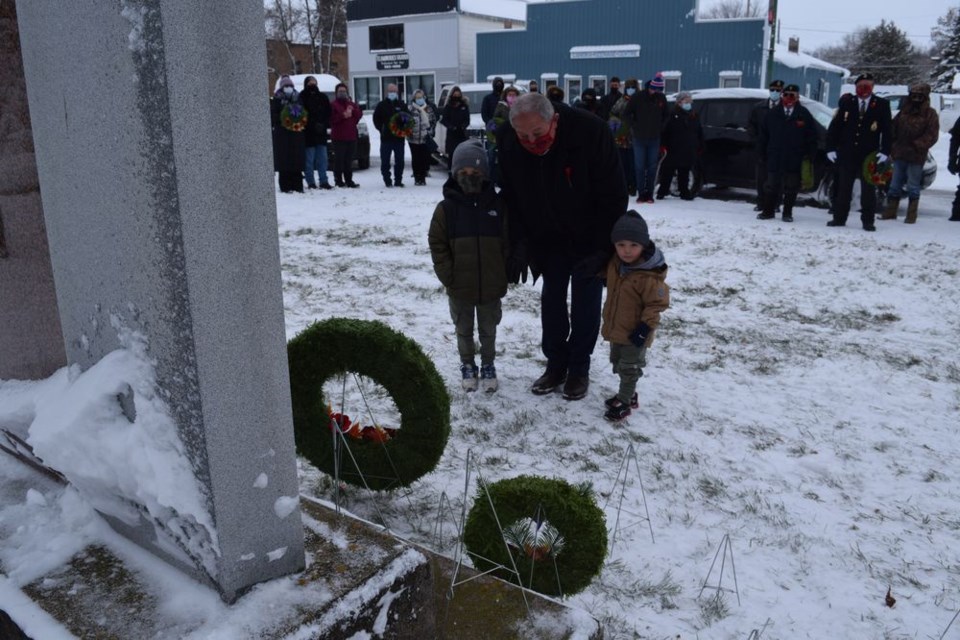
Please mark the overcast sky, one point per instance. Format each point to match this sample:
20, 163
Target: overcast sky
825, 22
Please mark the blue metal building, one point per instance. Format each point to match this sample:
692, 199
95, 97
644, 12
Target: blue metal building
584, 43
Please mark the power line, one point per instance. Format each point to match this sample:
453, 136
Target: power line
843, 32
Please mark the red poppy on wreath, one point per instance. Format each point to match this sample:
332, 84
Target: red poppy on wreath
401, 124
293, 117
877, 174
355, 430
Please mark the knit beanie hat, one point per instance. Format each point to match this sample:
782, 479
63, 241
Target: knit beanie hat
657, 83
470, 154
632, 228
286, 81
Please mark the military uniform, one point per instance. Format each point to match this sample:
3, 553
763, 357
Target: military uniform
860, 127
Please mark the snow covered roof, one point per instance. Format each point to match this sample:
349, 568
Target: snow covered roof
801, 60
605, 51
511, 9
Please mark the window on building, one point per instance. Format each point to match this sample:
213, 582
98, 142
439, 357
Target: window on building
548, 80
366, 91
385, 37
671, 80
573, 88
599, 84
426, 82
731, 79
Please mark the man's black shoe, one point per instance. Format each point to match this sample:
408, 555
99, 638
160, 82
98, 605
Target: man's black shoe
548, 382
352, 185
869, 227
787, 217
575, 387
765, 216
834, 223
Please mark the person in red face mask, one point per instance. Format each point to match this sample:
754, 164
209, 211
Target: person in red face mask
564, 188
860, 127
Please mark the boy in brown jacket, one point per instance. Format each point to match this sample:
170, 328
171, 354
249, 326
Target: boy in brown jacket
637, 293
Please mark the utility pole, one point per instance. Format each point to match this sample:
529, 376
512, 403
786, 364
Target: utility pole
771, 24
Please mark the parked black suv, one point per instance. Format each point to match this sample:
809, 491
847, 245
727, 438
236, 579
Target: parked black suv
729, 157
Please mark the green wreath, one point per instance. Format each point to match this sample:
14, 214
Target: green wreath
372, 349
570, 511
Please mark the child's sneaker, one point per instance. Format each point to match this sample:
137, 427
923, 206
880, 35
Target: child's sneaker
612, 402
469, 372
488, 378
617, 411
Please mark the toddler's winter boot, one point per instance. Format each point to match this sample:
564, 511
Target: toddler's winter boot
614, 401
617, 411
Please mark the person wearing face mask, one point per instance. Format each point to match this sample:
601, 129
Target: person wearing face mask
607, 101
953, 166
647, 113
533, 87
915, 129
288, 119
588, 101
385, 118
757, 117
500, 116
318, 119
344, 116
425, 119
468, 245
788, 137
860, 126
564, 187
456, 118
622, 136
682, 140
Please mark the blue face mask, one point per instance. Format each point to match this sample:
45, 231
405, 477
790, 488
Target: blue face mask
392, 95
686, 106
631, 91
774, 96
420, 102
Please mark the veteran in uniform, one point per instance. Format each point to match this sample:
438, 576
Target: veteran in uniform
860, 127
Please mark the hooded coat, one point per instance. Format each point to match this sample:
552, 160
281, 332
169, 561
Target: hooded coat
289, 147
635, 294
317, 105
469, 244
567, 200
915, 129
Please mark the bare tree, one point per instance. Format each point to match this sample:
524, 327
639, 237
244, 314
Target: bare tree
734, 9
335, 21
314, 27
283, 20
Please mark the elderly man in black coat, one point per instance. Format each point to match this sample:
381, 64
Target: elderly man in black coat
787, 137
860, 127
563, 181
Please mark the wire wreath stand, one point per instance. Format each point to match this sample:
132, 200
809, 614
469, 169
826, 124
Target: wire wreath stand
725, 549
629, 454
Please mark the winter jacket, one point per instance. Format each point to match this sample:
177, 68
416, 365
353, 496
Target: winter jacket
489, 105
607, 102
618, 126
646, 112
915, 129
501, 115
635, 294
469, 244
758, 114
565, 201
382, 115
424, 121
784, 142
954, 153
342, 126
683, 138
456, 118
289, 147
318, 115
853, 137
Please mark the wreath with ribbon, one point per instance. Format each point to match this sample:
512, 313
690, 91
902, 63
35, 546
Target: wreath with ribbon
401, 124
620, 131
876, 173
386, 458
293, 117
554, 531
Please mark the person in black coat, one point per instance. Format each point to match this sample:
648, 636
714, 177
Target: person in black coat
861, 126
588, 101
647, 113
288, 121
787, 137
315, 135
953, 166
491, 100
682, 141
391, 144
456, 118
612, 97
754, 125
563, 183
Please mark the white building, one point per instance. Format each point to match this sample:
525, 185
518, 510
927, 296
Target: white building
420, 44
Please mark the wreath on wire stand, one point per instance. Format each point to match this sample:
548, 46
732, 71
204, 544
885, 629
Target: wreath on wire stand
293, 117
554, 531
401, 124
385, 457
876, 173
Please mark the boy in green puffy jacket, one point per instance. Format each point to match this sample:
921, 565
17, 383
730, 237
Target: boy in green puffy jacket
637, 293
468, 244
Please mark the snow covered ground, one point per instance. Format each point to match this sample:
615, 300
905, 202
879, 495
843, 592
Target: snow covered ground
802, 398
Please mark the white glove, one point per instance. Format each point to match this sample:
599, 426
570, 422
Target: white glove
832, 156
881, 157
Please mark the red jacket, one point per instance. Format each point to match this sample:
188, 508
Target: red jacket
343, 127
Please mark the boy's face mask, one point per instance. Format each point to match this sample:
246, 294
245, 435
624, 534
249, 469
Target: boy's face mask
471, 183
